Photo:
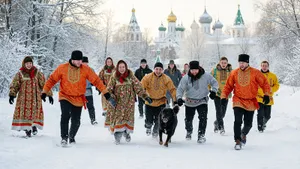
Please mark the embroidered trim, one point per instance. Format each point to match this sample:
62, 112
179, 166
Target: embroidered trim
73, 74
244, 77
156, 83
196, 101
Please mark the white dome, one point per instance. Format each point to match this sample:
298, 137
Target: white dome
194, 25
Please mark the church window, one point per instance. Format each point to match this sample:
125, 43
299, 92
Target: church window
132, 37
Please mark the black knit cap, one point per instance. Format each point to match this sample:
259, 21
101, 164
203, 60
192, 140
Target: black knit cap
194, 64
76, 55
85, 59
158, 64
244, 58
143, 61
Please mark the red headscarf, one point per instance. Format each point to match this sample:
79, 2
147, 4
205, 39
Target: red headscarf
123, 76
30, 71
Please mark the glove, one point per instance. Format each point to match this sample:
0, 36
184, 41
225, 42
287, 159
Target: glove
224, 102
180, 102
112, 102
44, 96
149, 100
212, 95
11, 99
51, 100
266, 99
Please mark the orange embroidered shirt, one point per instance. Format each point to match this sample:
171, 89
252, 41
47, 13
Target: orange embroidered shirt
245, 85
73, 83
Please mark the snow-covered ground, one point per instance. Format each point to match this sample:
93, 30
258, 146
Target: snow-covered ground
277, 148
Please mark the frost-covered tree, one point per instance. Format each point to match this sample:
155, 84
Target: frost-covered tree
47, 30
278, 31
194, 44
292, 65
12, 53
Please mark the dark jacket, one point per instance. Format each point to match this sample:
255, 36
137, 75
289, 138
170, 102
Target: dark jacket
174, 74
140, 72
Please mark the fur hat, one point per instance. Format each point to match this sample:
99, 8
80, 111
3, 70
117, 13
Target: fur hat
76, 55
244, 58
85, 59
194, 64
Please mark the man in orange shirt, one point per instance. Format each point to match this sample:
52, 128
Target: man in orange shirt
72, 77
244, 81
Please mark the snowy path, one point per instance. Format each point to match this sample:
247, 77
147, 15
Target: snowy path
277, 148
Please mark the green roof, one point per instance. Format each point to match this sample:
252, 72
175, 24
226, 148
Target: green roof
239, 19
180, 28
162, 28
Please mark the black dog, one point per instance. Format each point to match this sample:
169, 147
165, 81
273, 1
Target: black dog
167, 121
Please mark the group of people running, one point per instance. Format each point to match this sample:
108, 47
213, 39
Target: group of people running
118, 85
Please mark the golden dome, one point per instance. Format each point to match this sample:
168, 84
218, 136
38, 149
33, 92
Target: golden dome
172, 17
133, 10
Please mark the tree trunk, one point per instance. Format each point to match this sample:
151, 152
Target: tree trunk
7, 16
60, 22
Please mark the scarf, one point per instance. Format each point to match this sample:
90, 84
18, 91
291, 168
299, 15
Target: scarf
29, 71
197, 76
123, 76
108, 68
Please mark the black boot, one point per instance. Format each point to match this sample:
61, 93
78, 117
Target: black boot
141, 116
127, 136
28, 133
201, 139
72, 141
188, 136
94, 122
216, 128
118, 136
34, 130
64, 142
141, 111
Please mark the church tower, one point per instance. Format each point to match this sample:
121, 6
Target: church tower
238, 28
134, 33
205, 21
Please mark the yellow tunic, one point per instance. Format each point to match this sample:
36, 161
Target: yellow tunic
273, 81
157, 88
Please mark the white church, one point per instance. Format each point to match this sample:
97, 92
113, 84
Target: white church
212, 42
171, 36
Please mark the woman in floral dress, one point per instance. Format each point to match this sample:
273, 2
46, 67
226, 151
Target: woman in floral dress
123, 86
105, 75
27, 85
